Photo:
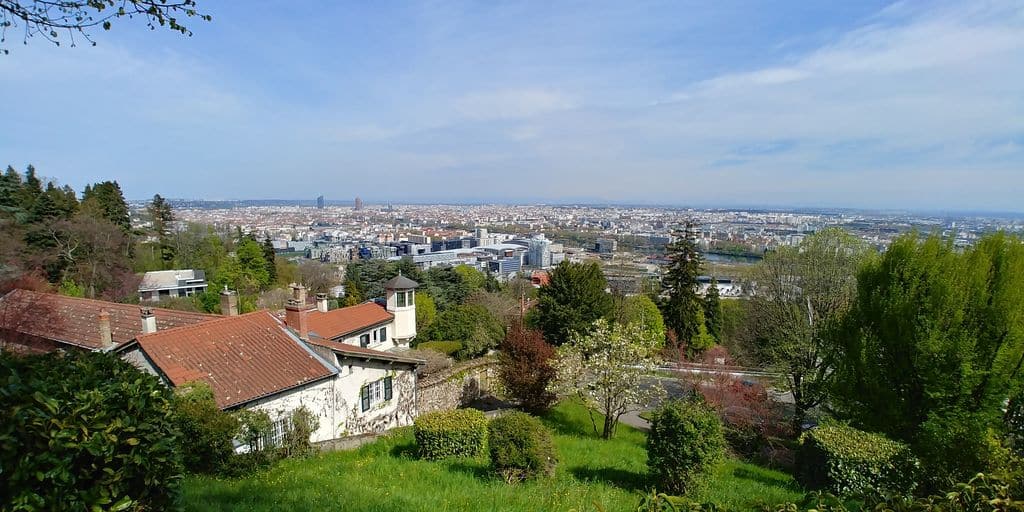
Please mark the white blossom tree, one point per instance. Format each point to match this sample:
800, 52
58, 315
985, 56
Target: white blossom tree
609, 370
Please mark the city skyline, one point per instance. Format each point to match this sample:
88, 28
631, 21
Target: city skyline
876, 105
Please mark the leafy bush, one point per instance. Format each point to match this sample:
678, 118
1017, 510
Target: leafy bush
458, 433
955, 445
526, 369
684, 445
253, 427
521, 447
302, 424
208, 431
448, 348
851, 462
85, 431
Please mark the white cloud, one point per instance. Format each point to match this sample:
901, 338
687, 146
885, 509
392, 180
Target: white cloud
512, 104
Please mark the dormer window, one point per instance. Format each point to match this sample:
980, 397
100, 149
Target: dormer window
364, 340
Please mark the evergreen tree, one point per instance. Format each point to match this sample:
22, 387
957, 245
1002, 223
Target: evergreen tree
32, 189
573, 300
713, 311
162, 217
106, 201
269, 255
685, 264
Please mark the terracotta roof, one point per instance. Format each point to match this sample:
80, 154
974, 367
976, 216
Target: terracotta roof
362, 352
342, 321
75, 321
242, 358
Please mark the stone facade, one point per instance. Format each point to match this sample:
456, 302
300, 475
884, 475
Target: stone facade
457, 386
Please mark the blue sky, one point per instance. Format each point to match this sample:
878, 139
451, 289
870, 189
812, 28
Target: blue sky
837, 104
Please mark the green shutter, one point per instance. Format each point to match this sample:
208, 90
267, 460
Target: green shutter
365, 397
387, 388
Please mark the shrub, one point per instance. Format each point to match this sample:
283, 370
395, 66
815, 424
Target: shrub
684, 445
458, 433
253, 428
85, 431
851, 462
448, 348
302, 424
521, 447
525, 369
208, 431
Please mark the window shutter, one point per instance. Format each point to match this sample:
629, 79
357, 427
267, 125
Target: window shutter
365, 396
387, 388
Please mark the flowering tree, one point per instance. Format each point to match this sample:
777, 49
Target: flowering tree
607, 369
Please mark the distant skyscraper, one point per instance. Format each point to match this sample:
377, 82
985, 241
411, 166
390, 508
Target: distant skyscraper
320, 203
359, 204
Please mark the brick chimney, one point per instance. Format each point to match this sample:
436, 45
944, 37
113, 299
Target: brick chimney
148, 320
106, 338
321, 302
295, 317
299, 293
228, 302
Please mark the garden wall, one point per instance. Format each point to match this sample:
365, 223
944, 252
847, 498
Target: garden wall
457, 386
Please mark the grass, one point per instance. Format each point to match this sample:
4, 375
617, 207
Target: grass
387, 476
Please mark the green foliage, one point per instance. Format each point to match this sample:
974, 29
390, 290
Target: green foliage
473, 277
457, 433
472, 325
850, 462
208, 431
702, 339
162, 218
521, 447
426, 311
85, 431
246, 270
448, 348
934, 345
71, 289
684, 445
105, 201
712, 307
253, 427
301, 425
642, 310
571, 303
680, 281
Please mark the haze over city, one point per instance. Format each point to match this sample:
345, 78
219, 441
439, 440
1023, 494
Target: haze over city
910, 105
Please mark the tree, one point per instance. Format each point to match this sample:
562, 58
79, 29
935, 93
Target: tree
526, 370
246, 270
317, 277
713, 311
270, 255
933, 348
801, 294
426, 311
90, 252
472, 277
48, 19
703, 340
571, 302
471, 325
606, 368
680, 281
162, 217
106, 201
642, 310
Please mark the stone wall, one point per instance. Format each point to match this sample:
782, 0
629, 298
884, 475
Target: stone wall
456, 386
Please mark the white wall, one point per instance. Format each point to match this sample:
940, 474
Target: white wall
378, 344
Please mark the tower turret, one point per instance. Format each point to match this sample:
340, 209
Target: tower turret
401, 298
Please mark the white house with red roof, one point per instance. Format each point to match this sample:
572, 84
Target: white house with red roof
348, 366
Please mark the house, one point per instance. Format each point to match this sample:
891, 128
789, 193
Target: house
162, 284
36, 322
256, 360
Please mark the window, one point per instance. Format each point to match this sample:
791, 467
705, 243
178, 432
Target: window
412, 298
400, 297
375, 336
383, 334
375, 392
364, 340
275, 435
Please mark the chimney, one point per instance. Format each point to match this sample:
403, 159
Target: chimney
295, 317
148, 320
228, 302
299, 293
321, 302
106, 338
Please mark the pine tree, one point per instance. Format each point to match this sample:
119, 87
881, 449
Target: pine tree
685, 263
269, 256
162, 216
713, 310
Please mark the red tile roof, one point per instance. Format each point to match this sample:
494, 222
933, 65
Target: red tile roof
362, 352
75, 321
342, 321
242, 358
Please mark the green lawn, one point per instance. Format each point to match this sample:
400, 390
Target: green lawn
386, 476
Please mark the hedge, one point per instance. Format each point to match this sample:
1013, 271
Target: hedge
521, 447
850, 462
457, 433
448, 348
85, 431
684, 445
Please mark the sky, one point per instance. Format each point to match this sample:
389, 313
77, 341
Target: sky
865, 104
